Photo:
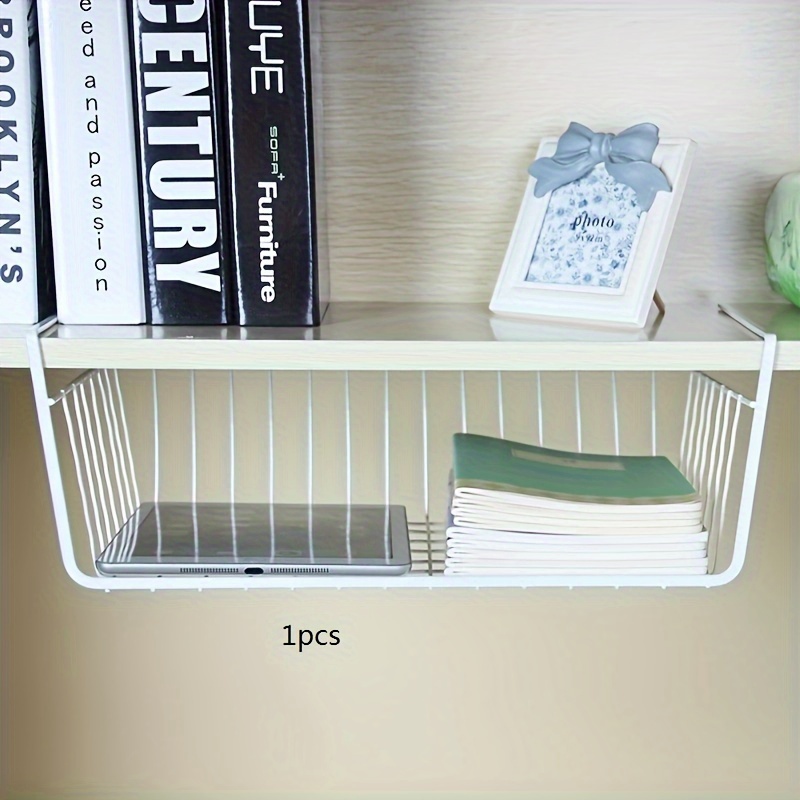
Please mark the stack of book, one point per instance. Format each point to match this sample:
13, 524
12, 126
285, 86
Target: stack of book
183, 145
523, 510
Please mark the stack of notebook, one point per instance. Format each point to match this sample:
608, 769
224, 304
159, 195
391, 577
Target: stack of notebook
524, 510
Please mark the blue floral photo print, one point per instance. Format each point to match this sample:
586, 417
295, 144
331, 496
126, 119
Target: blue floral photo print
588, 235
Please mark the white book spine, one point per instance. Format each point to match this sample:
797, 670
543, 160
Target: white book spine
94, 186
19, 290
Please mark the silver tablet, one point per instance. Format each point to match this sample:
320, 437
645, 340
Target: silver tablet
259, 539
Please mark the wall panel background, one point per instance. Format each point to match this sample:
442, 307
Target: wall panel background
435, 109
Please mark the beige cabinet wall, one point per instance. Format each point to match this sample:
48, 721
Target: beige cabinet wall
590, 692
435, 109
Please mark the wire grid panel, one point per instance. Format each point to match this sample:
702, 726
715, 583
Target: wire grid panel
121, 439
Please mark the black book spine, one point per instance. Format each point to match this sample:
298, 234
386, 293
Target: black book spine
184, 203
45, 274
280, 269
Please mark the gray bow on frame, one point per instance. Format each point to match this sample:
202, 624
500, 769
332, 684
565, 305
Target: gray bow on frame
627, 157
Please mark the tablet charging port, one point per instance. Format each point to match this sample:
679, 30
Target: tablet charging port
254, 571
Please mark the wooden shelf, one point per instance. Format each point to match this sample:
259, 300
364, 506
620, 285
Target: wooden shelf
380, 336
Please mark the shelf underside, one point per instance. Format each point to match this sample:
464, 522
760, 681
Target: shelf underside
397, 336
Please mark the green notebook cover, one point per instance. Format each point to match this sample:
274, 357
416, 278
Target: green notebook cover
483, 462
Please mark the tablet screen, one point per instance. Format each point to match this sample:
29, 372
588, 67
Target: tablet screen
220, 532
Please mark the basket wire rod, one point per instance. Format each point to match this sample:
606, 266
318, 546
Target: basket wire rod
98, 476
131, 541
310, 464
717, 454
117, 544
696, 391
232, 434
156, 468
694, 434
578, 421
463, 402
234, 535
701, 431
98, 427
348, 439
540, 408
729, 461
386, 548
727, 428
126, 438
425, 490
271, 459
119, 453
113, 441
115, 499
501, 417
348, 450
348, 534
702, 478
714, 525
87, 466
685, 433
425, 468
387, 441
615, 406
193, 404
702, 441
193, 419
135, 538
232, 425
156, 439
271, 432
310, 435
654, 411
713, 471
196, 533
79, 473
727, 484
705, 405
387, 462
159, 533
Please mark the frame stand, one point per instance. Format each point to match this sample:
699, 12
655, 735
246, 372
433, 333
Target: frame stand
658, 302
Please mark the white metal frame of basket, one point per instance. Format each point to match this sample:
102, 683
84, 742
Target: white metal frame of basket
100, 444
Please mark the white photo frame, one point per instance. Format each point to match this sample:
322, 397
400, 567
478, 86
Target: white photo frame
526, 288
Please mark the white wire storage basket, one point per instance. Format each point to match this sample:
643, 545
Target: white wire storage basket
114, 440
